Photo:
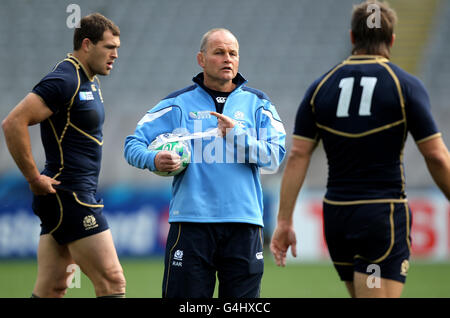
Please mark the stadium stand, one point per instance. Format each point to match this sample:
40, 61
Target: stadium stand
284, 46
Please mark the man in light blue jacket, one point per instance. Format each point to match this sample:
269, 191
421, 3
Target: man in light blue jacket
216, 210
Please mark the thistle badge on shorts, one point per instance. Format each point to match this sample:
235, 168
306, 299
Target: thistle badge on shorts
89, 222
178, 258
404, 268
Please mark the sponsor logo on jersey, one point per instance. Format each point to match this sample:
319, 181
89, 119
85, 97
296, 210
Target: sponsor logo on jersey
200, 115
86, 95
221, 99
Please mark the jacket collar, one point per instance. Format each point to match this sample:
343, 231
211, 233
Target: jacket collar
239, 80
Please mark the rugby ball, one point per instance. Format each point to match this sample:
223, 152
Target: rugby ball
181, 148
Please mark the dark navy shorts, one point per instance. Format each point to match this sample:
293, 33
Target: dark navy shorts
70, 216
360, 235
195, 252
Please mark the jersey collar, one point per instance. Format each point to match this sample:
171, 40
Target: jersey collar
78, 62
365, 58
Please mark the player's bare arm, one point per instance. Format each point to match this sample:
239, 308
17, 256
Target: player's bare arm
294, 175
30, 111
437, 158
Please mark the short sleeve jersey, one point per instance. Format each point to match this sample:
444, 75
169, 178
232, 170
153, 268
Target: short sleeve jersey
362, 110
72, 136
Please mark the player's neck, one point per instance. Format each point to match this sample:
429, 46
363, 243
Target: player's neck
220, 86
83, 61
372, 54
381, 50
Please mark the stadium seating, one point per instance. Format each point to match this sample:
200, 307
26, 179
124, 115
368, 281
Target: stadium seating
284, 46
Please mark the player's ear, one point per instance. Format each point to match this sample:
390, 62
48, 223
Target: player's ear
393, 39
352, 38
86, 44
201, 59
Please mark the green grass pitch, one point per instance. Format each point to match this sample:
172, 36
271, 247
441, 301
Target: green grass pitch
296, 280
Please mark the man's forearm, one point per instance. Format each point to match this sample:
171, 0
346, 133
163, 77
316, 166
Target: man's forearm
437, 158
18, 141
293, 178
440, 171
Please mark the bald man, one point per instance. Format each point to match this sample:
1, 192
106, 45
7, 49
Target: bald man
216, 209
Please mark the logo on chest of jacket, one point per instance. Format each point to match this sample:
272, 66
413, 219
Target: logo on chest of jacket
200, 115
221, 100
239, 118
238, 115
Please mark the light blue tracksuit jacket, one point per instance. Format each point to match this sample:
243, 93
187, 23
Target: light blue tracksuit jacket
222, 182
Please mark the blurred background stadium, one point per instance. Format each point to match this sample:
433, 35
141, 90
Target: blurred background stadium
284, 46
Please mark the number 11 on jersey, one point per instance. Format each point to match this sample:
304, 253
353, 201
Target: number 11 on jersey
346, 86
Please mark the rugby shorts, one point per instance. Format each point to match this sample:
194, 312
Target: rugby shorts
69, 216
360, 235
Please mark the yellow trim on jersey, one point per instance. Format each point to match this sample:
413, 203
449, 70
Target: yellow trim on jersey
99, 88
369, 201
391, 245
397, 83
365, 59
304, 138
72, 99
86, 204
59, 147
77, 66
60, 214
316, 91
90, 78
405, 130
436, 135
358, 135
353, 59
100, 143
60, 139
170, 253
370, 59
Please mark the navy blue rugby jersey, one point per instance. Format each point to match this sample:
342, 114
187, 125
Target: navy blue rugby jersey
72, 135
362, 110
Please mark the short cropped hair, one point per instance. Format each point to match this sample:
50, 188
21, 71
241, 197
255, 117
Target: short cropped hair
205, 37
92, 27
373, 39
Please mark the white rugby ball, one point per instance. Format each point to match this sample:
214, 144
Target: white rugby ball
181, 148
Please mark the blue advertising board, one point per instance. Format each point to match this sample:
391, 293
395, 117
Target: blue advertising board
137, 215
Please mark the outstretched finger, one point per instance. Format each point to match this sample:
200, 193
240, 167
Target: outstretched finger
219, 116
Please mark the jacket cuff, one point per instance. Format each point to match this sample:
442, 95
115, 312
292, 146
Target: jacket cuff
150, 162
